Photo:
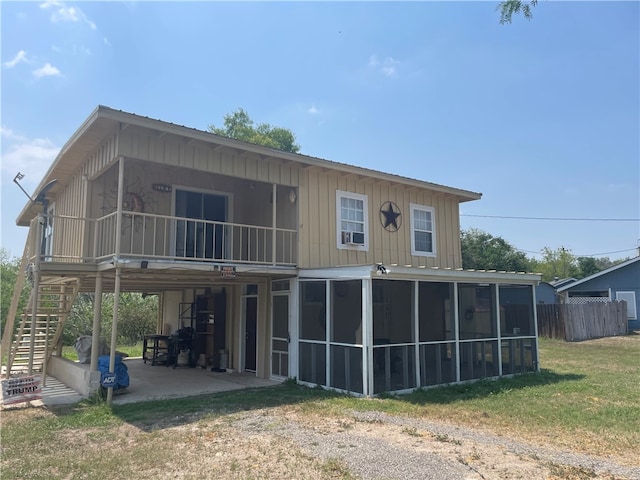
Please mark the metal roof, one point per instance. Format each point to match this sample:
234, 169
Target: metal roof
104, 121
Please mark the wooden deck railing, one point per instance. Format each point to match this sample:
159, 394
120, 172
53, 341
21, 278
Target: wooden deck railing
151, 236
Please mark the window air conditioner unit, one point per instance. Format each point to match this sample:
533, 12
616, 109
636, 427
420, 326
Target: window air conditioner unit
353, 238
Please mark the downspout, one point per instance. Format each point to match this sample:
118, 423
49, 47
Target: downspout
116, 289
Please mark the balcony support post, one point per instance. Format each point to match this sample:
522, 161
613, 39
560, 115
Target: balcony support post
114, 331
116, 289
95, 333
118, 231
274, 223
35, 300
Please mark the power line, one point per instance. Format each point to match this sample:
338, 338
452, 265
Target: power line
576, 255
555, 218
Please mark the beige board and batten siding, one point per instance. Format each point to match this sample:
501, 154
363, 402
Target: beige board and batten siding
318, 223
144, 144
69, 209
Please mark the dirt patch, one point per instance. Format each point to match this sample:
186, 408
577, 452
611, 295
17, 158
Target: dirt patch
283, 442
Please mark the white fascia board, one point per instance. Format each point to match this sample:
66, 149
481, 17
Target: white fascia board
459, 275
351, 272
397, 272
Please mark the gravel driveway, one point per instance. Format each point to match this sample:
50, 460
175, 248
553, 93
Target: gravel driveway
374, 445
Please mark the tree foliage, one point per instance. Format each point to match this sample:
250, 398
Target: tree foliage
8, 274
509, 8
587, 266
239, 126
557, 264
137, 317
482, 251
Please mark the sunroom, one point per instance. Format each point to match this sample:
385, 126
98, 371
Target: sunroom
367, 330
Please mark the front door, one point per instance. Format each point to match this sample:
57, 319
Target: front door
205, 238
280, 335
251, 332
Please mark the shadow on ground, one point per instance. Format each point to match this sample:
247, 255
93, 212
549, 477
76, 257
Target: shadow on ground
486, 388
156, 415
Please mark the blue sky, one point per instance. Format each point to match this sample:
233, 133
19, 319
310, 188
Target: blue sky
541, 116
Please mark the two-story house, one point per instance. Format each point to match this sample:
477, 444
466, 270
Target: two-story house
282, 264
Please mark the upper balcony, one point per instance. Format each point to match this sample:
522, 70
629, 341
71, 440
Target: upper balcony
147, 236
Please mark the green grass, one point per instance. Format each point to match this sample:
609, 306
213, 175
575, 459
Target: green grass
587, 399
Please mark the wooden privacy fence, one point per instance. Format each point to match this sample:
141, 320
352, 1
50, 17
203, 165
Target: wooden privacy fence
572, 322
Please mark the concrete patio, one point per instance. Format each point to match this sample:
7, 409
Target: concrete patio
147, 382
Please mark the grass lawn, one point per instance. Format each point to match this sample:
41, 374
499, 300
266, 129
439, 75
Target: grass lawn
69, 352
586, 399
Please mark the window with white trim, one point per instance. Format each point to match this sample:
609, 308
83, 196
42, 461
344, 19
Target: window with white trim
423, 240
352, 220
630, 298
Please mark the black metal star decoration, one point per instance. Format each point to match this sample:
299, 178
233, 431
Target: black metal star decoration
390, 216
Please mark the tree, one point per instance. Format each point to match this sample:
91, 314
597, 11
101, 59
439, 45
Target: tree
239, 126
137, 317
508, 8
558, 263
587, 266
8, 274
482, 251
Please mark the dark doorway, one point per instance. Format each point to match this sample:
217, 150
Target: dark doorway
200, 239
219, 338
251, 333
210, 328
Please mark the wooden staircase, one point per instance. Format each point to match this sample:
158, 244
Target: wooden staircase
33, 344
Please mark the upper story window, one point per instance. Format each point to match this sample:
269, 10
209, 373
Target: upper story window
423, 240
352, 220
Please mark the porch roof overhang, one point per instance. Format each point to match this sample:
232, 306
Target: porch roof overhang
408, 272
160, 276
105, 121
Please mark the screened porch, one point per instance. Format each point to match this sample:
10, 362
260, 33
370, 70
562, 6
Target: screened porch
368, 336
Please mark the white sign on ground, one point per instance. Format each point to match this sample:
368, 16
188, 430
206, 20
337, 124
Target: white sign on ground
21, 389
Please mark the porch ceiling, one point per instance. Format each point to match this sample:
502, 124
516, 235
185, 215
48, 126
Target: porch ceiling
159, 277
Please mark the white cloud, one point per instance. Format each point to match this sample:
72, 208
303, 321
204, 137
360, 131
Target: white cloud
47, 70
106, 41
313, 110
388, 66
30, 156
62, 13
21, 56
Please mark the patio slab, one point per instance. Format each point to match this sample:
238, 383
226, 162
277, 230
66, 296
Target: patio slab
147, 382
158, 382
